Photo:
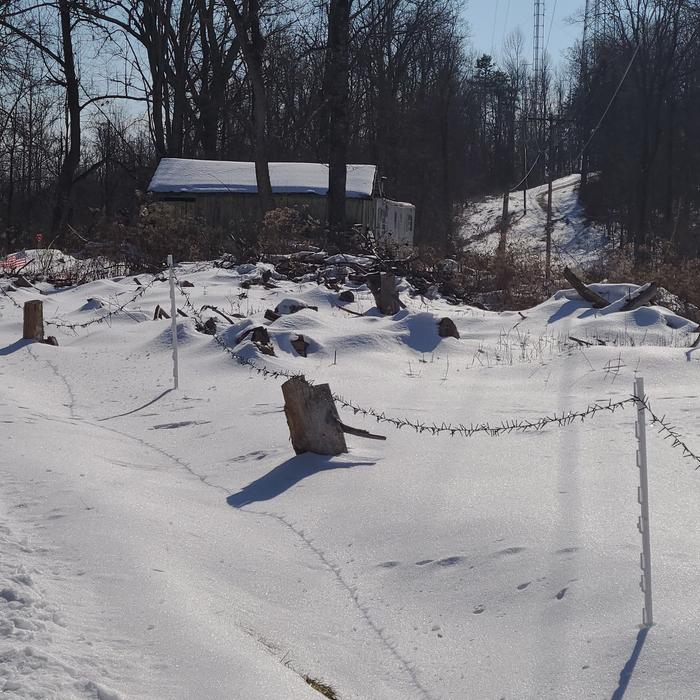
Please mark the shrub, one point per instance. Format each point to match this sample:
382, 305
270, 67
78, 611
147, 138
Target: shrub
286, 229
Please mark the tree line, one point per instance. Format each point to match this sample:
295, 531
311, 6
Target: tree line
94, 92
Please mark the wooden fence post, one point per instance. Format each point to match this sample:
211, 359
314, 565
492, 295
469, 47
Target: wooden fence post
33, 320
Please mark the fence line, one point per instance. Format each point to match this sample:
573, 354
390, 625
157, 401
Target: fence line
668, 431
101, 319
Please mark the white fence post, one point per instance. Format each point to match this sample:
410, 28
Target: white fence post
643, 498
173, 317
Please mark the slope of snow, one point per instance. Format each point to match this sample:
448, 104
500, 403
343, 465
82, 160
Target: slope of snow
575, 241
169, 544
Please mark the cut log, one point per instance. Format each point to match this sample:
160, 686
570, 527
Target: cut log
208, 327
641, 297
160, 313
383, 288
447, 328
33, 320
300, 345
584, 292
261, 338
314, 424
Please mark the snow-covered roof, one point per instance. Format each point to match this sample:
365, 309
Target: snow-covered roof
221, 176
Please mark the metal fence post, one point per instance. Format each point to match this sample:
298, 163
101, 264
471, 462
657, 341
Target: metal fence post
643, 498
173, 316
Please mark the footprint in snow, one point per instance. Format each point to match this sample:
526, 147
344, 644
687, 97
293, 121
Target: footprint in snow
181, 424
449, 561
561, 593
509, 550
423, 562
567, 550
257, 455
478, 609
389, 564
523, 586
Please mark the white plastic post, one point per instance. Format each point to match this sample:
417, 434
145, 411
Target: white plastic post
173, 317
643, 498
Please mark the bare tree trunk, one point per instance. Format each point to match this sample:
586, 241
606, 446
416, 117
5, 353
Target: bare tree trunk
71, 161
253, 46
336, 89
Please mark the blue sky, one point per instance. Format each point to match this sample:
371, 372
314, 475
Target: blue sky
491, 20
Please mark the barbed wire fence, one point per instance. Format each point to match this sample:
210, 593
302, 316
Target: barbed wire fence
665, 428
106, 318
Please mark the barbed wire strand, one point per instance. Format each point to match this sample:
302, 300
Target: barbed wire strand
100, 319
668, 431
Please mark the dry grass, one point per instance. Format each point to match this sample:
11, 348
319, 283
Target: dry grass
322, 688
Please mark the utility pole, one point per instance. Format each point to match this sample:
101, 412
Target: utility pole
548, 230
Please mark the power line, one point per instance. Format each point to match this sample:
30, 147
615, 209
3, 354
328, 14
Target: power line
551, 24
610, 104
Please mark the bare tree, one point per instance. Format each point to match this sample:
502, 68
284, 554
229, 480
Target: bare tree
246, 19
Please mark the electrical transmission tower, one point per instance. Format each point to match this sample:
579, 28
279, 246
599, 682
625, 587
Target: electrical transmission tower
538, 60
599, 21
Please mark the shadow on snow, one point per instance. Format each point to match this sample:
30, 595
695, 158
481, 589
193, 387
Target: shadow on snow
286, 475
628, 669
17, 345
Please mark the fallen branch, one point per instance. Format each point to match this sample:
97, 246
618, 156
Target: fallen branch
358, 432
584, 292
348, 311
641, 297
217, 310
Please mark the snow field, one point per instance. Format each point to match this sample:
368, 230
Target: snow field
187, 552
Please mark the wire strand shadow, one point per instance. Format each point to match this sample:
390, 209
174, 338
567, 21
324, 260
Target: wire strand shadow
134, 410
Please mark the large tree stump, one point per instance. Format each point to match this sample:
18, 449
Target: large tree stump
383, 288
33, 320
314, 424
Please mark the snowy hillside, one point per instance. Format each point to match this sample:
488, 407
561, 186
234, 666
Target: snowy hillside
169, 544
575, 241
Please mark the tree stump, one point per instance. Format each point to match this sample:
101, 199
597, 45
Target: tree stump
383, 288
33, 320
300, 345
314, 424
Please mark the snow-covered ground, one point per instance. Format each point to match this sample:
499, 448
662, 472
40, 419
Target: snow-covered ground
575, 241
169, 544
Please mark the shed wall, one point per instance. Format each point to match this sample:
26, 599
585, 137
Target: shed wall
237, 209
